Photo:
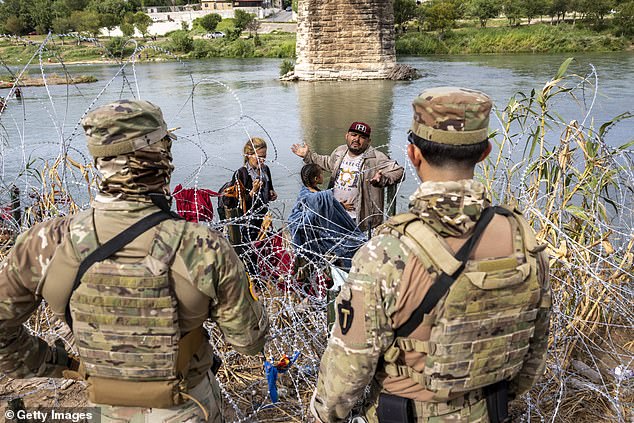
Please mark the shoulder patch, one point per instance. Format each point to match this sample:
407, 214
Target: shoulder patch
346, 315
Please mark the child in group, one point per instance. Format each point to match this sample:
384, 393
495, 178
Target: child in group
319, 224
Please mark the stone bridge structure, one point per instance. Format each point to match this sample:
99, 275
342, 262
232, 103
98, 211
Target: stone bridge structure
345, 39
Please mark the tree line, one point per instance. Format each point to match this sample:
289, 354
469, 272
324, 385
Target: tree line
20, 17
441, 15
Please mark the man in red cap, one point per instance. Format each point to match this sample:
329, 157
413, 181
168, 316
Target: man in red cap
359, 174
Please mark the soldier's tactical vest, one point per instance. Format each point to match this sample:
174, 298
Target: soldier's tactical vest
125, 322
481, 329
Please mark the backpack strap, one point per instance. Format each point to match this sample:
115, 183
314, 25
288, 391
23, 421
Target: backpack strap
114, 245
444, 281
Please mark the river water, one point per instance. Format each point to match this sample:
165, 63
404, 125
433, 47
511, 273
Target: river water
219, 103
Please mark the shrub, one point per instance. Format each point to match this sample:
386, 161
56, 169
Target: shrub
241, 48
181, 41
286, 66
117, 47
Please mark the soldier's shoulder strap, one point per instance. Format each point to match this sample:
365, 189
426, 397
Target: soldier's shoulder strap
445, 280
527, 231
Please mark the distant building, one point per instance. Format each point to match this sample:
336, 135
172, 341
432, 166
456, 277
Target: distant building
211, 5
250, 3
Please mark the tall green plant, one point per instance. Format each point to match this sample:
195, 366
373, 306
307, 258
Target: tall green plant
576, 189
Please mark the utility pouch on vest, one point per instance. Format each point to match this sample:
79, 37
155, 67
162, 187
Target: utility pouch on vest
394, 409
497, 396
155, 394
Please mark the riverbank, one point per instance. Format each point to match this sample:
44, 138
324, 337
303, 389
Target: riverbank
536, 38
51, 79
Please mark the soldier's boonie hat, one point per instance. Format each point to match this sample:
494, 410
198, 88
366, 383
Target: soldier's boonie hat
360, 128
451, 115
123, 127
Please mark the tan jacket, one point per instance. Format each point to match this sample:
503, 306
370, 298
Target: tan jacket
369, 204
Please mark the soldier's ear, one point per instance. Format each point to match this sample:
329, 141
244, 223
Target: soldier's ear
486, 152
414, 155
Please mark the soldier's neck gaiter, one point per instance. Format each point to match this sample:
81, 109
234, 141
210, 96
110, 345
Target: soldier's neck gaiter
450, 208
133, 176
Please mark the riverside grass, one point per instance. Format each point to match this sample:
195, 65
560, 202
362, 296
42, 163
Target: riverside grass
574, 188
536, 38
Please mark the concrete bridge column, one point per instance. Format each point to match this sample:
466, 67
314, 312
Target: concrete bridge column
345, 39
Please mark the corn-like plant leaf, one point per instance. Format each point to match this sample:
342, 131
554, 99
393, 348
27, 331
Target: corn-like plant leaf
564, 67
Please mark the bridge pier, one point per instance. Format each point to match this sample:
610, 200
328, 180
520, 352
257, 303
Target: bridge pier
345, 39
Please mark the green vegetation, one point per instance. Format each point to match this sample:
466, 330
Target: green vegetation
281, 45
433, 27
286, 66
208, 22
538, 38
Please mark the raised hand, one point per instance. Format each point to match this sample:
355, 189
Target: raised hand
300, 149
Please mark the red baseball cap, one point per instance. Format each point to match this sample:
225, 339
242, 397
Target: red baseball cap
360, 128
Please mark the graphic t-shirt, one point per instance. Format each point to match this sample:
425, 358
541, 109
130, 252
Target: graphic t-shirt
347, 183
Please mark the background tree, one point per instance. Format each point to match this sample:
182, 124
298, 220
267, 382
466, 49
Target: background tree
513, 11
142, 22
209, 22
483, 10
557, 9
76, 4
14, 14
253, 27
62, 25
404, 11
534, 8
86, 21
242, 19
15, 25
596, 10
441, 15
109, 21
624, 18
127, 28
41, 15
181, 41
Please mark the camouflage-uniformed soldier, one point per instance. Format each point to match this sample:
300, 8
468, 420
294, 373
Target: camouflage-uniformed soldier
137, 316
485, 338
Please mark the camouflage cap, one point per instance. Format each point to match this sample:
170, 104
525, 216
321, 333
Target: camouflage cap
450, 115
123, 126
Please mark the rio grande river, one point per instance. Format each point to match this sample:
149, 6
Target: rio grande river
218, 103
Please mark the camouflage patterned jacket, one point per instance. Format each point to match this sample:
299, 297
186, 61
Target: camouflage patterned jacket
388, 281
209, 283
371, 198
